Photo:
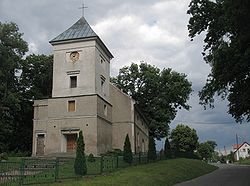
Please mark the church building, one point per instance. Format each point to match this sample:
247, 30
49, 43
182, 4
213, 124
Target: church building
84, 99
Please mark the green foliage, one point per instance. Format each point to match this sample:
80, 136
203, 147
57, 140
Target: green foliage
151, 149
91, 158
36, 77
184, 139
80, 160
227, 50
12, 49
205, 151
3, 156
157, 93
127, 152
21, 81
167, 149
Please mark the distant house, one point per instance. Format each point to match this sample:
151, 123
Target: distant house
241, 151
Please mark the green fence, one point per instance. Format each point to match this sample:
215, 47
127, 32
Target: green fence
46, 170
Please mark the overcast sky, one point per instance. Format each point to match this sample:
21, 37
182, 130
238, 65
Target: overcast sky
153, 31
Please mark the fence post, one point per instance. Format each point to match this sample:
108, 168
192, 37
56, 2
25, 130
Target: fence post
139, 158
21, 171
56, 169
101, 164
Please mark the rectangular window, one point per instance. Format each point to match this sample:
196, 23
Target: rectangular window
73, 81
102, 86
71, 106
105, 110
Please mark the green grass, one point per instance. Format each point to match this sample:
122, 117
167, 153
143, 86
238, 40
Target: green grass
244, 161
167, 172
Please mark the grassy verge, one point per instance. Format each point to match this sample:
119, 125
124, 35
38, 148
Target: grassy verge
168, 172
244, 161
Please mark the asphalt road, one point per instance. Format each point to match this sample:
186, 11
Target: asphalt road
226, 175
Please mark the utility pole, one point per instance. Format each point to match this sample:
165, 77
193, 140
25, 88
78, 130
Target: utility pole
237, 146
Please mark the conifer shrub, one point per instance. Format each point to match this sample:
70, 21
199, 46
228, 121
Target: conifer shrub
151, 149
167, 149
127, 152
91, 158
80, 160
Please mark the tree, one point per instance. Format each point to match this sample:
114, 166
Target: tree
35, 82
167, 149
227, 50
80, 160
205, 150
36, 77
127, 152
212, 144
184, 139
12, 49
157, 93
151, 149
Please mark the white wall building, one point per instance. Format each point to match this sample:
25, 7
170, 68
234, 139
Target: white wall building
241, 151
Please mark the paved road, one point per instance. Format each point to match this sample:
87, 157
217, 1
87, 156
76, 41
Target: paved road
226, 175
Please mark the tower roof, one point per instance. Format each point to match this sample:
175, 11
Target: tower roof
80, 29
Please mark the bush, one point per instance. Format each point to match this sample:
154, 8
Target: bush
19, 154
3, 156
114, 152
167, 149
127, 152
91, 158
151, 149
80, 160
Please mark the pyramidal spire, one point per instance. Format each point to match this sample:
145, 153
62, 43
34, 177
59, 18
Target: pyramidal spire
80, 30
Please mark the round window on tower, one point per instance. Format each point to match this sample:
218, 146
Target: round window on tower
74, 56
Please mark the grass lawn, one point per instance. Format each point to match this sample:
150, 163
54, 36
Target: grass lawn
167, 172
244, 161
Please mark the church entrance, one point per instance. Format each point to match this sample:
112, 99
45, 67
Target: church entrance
40, 144
71, 142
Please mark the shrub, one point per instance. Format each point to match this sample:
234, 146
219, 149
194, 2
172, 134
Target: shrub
3, 156
151, 149
91, 158
80, 160
167, 149
127, 152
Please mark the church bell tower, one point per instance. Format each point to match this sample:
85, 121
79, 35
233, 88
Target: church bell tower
81, 63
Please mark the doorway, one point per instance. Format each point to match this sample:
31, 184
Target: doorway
71, 142
40, 144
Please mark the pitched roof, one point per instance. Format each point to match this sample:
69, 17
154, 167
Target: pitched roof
236, 147
80, 29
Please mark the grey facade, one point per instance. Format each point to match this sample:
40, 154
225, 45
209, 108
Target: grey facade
84, 99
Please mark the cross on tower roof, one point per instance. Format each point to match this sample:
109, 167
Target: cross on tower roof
82, 7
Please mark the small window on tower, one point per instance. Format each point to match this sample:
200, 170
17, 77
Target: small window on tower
73, 81
102, 86
71, 106
105, 110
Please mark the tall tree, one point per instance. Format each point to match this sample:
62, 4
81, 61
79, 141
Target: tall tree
184, 139
12, 49
36, 77
158, 93
227, 50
